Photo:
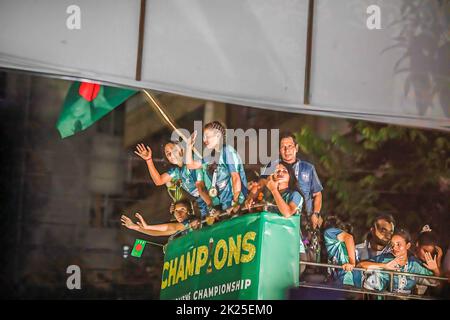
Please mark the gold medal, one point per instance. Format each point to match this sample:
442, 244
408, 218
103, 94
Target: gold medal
213, 192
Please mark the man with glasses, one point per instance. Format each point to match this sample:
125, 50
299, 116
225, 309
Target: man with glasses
378, 238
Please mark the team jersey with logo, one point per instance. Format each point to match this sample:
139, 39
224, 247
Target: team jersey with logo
229, 161
401, 284
337, 254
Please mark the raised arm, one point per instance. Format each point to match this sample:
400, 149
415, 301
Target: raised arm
350, 245
286, 209
203, 193
157, 232
146, 154
163, 227
236, 185
432, 264
190, 162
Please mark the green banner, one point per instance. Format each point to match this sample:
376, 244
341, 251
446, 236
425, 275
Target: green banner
255, 256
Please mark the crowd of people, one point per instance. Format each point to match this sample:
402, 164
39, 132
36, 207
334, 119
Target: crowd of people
216, 185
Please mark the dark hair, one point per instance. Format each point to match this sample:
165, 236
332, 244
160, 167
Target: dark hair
186, 202
293, 182
287, 134
332, 222
212, 166
347, 227
427, 238
404, 234
218, 126
386, 217
163, 149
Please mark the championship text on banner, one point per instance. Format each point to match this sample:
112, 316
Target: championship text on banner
255, 256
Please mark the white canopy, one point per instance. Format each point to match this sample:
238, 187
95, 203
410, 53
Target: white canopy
249, 52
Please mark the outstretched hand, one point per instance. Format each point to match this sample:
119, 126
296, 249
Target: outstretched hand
393, 264
431, 263
191, 140
143, 151
195, 224
348, 266
141, 223
126, 222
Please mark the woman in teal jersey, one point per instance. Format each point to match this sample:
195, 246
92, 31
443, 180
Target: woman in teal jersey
340, 247
283, 192
399, 259
223, 174
181, 212
178, 175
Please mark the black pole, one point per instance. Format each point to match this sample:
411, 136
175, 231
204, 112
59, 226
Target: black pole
308, 57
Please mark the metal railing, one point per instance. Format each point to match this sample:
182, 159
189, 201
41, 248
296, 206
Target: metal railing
367, 291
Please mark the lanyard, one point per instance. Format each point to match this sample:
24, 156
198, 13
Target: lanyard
214, 178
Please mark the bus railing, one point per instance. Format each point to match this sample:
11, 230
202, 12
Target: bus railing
389, 293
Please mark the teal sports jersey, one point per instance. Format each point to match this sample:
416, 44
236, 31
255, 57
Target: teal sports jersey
186, 177
288, 197
337, 254
307, 177
402, 284
203, 176
229, 161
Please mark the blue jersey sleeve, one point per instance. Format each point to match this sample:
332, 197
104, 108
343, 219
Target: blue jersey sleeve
316, 186
332, 233
173, 172
296, 198
419, 268
197, 175
382, 258
231, 159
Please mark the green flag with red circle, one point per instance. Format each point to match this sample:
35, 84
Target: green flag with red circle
86, 103
138, 248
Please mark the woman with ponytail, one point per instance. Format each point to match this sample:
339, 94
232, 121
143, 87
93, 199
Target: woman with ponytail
177, 176
223, 175
427, 246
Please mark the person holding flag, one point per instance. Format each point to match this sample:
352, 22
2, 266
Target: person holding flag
178, 175
181, 212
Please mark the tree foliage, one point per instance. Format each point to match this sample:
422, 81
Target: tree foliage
376, 168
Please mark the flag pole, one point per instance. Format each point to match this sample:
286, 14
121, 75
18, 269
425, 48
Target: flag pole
156, 105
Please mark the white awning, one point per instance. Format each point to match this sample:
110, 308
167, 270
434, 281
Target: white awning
249, 52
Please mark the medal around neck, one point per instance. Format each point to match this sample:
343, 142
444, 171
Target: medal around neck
213, 192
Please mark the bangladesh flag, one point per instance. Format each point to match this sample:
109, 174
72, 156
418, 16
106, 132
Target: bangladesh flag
86, 103
138, 248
